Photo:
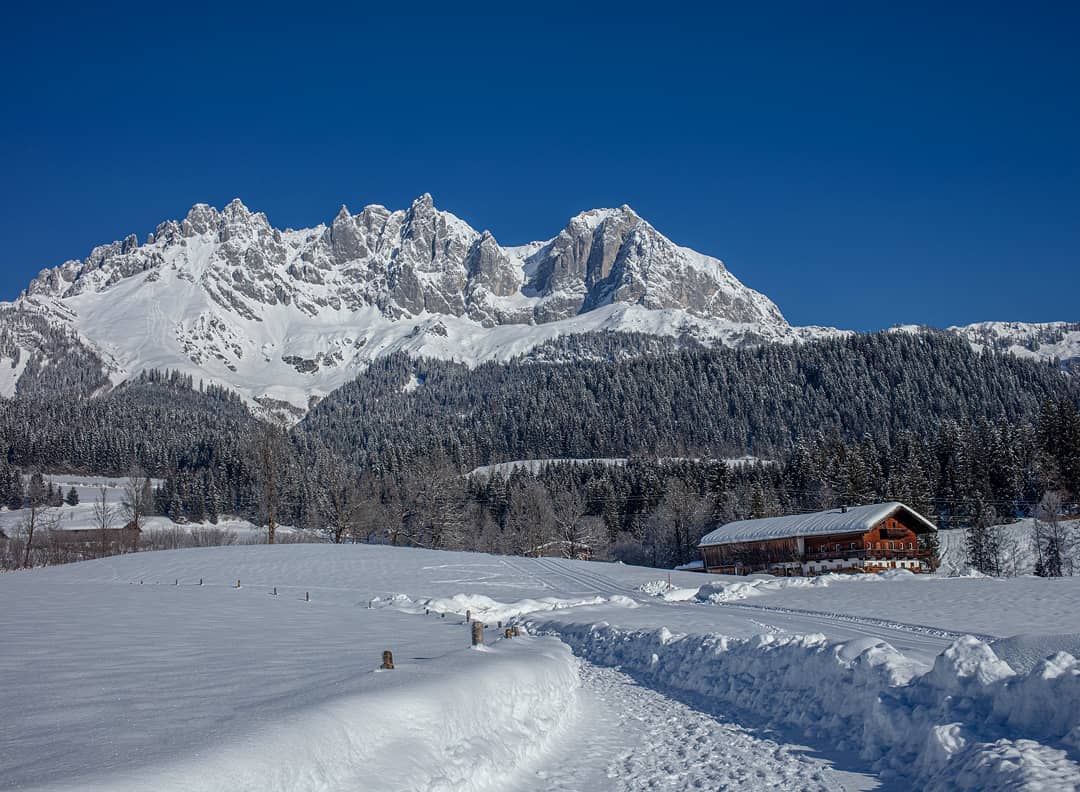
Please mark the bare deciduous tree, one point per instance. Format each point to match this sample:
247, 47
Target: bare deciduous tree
579, 533
36, 497
104, 513
137, 503
529, 518
342, 501
1054, 543
270, 451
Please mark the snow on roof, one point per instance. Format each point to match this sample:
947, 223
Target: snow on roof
856, 519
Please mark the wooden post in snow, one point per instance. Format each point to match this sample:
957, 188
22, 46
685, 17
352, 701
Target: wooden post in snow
517, 631
307, 596
238, 582
477, 633
468, 616
509, 633
387, 660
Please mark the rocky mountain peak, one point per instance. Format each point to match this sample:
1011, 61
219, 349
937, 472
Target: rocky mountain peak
226, 294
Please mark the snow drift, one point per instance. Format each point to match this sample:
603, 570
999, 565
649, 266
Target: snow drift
969, 722
463, 730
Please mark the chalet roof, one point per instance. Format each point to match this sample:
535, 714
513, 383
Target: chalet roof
856, 519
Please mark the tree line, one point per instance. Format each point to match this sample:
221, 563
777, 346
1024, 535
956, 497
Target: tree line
963, 437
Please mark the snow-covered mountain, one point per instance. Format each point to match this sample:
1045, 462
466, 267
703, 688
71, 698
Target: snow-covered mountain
1040, 340
287, 315
1044, 341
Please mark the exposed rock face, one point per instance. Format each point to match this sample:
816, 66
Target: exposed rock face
420, 260
288, 315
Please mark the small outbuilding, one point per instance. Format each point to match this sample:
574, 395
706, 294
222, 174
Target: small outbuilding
869, 538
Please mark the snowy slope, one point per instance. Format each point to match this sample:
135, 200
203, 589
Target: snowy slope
1035, 340
141, 683
1040, 340
288, 315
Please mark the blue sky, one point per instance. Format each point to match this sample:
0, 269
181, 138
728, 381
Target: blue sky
862, 165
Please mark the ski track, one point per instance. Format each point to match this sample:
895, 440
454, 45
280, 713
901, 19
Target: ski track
594, 582
627, 738
870, 621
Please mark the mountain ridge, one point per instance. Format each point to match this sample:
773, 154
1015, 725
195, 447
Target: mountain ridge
285, 316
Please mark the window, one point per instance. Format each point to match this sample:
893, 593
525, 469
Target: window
909, 546
852, 547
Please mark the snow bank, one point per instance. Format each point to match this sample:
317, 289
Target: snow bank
726, 591
463, 731
969, 722
487, 609
666, 591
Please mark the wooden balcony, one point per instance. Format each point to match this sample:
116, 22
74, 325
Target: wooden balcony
873, 554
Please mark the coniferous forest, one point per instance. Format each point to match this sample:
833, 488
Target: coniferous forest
964, 437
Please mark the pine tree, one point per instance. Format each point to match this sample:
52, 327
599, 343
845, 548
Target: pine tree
72, 498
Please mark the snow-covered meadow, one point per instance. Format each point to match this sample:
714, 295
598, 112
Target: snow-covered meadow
82, 516
154, 671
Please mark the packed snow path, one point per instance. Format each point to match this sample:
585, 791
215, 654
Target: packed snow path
629, 738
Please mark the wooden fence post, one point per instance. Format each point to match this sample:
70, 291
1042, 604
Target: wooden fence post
275, 591
509, 633
517, 631
238, 582
468, 616
307, 596
200, 581
477, 633
387, 660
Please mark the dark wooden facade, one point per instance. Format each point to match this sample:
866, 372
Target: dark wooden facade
94, 540
892, 543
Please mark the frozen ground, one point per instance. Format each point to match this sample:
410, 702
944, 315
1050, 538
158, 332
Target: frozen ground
124, 673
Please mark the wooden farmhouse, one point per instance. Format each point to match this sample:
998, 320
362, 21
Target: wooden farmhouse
94, 540
848, 539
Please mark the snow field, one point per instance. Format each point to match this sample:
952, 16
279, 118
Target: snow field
81, 516
122, 685
125, 685
468, 728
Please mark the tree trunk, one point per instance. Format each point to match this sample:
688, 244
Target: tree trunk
29, 541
